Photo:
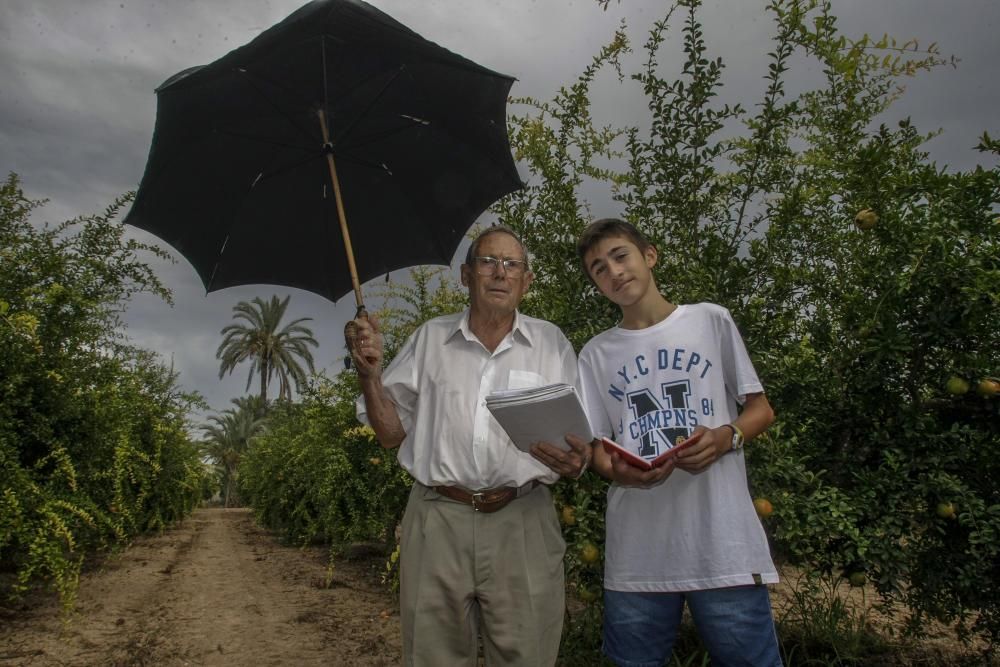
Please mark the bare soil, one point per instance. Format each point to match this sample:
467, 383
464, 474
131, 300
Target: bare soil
939, 645
214, 590
219, 590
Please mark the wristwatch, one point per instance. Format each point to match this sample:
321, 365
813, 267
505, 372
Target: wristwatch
737, 436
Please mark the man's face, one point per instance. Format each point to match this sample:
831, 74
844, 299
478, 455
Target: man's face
620, 270
501, 290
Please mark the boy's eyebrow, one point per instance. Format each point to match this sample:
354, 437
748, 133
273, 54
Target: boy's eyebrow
597, 260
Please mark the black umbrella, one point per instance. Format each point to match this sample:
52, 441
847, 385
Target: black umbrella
338, 116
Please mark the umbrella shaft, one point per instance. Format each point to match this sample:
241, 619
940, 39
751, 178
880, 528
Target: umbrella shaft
344, 232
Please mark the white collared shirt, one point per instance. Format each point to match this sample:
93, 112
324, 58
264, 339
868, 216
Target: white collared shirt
439, 382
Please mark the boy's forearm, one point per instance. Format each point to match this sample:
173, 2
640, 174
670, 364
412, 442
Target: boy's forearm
382, 414
756, 416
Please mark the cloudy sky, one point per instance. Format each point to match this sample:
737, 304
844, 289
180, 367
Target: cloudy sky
77, 105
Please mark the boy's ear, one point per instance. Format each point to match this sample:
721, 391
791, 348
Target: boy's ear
650, 255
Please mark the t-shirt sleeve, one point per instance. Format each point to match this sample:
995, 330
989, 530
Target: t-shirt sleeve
740, 376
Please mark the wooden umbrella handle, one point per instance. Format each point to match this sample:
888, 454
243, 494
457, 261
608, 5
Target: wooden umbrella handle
350, 329
341, 216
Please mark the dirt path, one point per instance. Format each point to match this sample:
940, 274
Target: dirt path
218, 590
215, 590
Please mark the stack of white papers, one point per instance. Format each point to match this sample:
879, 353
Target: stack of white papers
540, 414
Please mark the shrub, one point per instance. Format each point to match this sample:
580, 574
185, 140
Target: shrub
93, 441
861, 274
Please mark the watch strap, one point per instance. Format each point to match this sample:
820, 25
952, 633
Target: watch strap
738, 438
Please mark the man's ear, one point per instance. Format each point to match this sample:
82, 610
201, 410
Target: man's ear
528, 278
464, 271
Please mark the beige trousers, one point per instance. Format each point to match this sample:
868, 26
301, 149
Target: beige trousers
464, 572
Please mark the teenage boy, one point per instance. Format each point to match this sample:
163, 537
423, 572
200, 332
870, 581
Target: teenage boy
685, 531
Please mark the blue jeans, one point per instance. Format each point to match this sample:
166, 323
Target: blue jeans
735, 625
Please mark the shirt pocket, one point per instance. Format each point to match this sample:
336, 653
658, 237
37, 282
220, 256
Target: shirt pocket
524, 379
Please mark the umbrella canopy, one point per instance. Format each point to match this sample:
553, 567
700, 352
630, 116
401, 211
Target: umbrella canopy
249, 152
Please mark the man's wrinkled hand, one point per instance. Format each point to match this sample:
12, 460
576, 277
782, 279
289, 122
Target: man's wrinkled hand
367, 347
572, 463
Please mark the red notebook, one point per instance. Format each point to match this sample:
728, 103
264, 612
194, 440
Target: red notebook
610, 446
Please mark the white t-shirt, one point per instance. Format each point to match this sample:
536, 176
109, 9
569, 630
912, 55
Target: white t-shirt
644, 388
439, 382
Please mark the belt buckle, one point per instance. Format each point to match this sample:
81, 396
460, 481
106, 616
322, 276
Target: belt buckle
478, 497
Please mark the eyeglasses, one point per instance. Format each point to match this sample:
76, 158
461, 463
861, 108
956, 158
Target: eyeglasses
487, 266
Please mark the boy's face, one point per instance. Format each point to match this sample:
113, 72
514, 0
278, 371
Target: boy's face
620, 270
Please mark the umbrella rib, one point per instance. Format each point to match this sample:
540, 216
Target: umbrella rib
347, 157
378, 136
343, 153
326, 93
261, 175
254, 81
260, 140
218, 261
347, 132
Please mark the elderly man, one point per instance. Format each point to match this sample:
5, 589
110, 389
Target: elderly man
481, 545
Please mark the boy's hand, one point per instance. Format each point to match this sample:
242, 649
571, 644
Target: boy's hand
626, 474
705, 452
568, 464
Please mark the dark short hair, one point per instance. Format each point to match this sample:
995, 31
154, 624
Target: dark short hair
495, 229
606, 228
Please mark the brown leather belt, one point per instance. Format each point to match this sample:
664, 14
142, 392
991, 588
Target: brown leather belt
488, 500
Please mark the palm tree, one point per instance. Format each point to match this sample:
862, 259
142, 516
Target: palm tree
251, 404
256, 336
227, 440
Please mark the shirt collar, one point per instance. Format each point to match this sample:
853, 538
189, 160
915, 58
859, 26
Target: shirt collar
462, 326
